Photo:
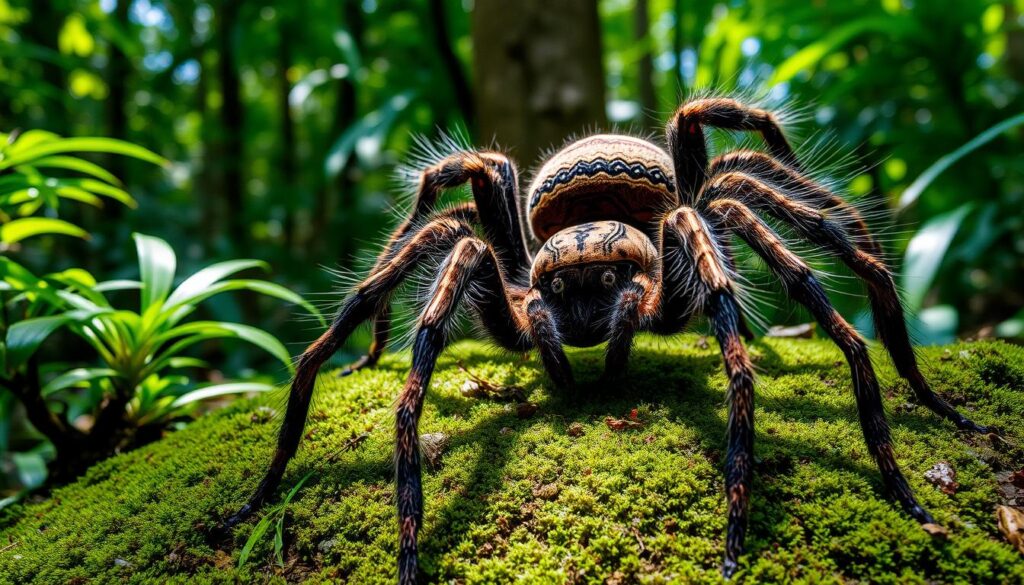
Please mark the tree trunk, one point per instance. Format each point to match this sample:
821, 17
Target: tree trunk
334, 203
289, 162
232, 123
678, 44
539, 76
43, 30
645, 68
452, 66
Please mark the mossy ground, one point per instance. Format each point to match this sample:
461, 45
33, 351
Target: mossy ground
523, 498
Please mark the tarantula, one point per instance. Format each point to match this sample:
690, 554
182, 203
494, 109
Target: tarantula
634, 239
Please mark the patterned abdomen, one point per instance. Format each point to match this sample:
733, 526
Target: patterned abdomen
602, 177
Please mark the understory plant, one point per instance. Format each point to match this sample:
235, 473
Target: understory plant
88, 413
136, 384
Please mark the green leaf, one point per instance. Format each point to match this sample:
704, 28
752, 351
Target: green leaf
925, 179
199, 282
375, 124
65, 145
809, 56
220, 390
25, 337
115, 285
263, 287
256, 535
156, 264
72, 163
19, 229
101, 188
75, 377
925, 253
186, 362
1012, 327
215, 329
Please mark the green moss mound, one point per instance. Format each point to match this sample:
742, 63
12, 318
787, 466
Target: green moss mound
528, 498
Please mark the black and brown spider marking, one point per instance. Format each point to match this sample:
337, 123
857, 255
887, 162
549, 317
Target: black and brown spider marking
635, 239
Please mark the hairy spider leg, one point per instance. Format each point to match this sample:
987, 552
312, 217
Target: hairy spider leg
495, 186
366, 301
543, 330
625, 322
816, 227
700, 256
687, 145
803, 287
468, 262
638, 304
730, 262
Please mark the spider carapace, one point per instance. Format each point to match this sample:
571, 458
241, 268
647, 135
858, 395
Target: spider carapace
635, 238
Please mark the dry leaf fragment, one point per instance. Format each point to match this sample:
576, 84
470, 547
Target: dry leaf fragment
547, 491
619, 424
476, 387
802, 331
1011, 524
943, 476
935, 530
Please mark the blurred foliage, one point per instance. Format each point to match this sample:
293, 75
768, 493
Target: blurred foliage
329, 94
284, 122
78, 413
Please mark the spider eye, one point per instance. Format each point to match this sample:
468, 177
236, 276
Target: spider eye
557, 285
608, 278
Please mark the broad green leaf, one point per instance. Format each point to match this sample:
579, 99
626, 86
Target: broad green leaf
199, 282
80, 195
255, 336
32, 138
19, 229
73, 163
925, 179
75, 377
925, 253
101, 188
25, 337
114, 285
220, 390
31, 468
186, 362
263, 287
66, 145
156, 264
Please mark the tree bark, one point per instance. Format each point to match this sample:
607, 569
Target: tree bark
289, 162
232, 123
43, 30
333, 202
645, 68
539, 76
452, 65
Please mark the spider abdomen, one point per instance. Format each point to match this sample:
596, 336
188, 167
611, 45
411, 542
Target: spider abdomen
602, 177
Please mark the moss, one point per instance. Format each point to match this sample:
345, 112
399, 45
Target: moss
526, 498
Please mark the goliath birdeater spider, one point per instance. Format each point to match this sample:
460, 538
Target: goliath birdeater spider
634, 239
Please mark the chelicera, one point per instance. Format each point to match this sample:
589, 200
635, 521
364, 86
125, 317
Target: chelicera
635, 238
